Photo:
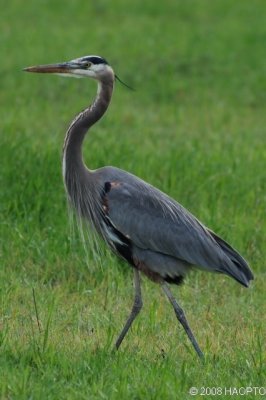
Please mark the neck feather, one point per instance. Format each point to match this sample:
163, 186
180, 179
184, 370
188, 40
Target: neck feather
72, 150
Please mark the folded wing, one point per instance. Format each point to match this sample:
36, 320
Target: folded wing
155, 222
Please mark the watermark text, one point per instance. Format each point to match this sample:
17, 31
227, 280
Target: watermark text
227, 391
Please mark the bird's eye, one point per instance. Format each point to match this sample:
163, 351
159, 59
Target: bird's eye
87, 64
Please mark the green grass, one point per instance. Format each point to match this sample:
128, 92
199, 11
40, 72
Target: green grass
195, 127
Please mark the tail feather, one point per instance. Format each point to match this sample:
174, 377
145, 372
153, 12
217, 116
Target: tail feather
238, 268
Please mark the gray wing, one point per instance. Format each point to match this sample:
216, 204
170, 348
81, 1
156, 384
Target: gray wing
154, 221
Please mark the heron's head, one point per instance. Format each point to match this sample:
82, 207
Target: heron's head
89, 66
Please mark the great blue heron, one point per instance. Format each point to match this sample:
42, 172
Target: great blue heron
144, 226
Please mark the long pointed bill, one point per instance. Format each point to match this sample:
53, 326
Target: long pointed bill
62, 68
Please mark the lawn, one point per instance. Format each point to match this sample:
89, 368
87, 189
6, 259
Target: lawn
195, 128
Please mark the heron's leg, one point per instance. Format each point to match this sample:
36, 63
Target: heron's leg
135, 309
182, 319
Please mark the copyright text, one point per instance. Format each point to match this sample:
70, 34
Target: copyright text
227, 391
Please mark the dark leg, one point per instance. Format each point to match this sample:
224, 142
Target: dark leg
135, 309
182, 319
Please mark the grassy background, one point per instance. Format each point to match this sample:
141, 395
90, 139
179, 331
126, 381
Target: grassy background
195, 128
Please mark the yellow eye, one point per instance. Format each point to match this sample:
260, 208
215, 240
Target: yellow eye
87, 64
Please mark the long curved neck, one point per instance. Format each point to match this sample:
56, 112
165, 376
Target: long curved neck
72, 150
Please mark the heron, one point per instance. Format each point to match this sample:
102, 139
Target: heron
145, 227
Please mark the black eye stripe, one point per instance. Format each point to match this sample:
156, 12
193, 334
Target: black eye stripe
95, 60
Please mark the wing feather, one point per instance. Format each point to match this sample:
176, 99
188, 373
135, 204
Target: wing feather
154, 221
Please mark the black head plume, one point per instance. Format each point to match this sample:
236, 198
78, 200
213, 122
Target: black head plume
123, 83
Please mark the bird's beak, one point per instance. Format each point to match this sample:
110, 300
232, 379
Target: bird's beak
61, 68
